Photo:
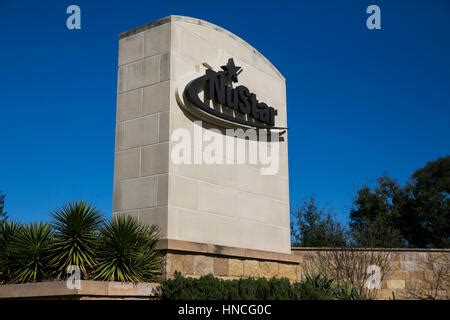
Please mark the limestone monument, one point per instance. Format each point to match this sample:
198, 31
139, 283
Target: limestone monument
179, 76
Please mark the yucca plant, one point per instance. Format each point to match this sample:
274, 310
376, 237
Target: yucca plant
316, 287
126, 252
29, 253
8, 230
76, 226
346, 291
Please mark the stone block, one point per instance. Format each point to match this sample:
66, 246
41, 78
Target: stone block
183, 263
396, 275
394, 265
157, 40
135, 194
221, 266
385, 294
183, 192
143, 72
215, 199
287, 271
231, 233
129, 105
415, 275
203, 265
416, 284
164, 126
137, 133
251, 268
156, 98
163, 190
155, 159
196, 226
131, 48
122, 79
235, 267
395, 284
155, 216
192, 45
269, 269
413, 256
410, 265
126, 164
164, 67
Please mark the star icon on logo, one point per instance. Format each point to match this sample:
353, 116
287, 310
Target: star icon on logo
231, 70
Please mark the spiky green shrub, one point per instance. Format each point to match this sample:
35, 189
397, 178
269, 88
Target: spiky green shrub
125, 252
8, 231
315, 287
346, 291
76, 228
29, 253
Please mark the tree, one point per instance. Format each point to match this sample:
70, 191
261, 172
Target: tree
374, 216
3, 214
316, 227
426, 216
416, 215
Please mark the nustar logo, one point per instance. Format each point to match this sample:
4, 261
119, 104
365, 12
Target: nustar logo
245, 108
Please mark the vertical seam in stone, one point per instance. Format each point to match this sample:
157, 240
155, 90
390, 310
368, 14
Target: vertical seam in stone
159, 125
140, 162
143, 44
142, 102
157, 190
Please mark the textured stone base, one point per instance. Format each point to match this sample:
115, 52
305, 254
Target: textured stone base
196, 265
410, 275
89, 290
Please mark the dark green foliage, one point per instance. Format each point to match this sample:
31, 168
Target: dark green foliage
374, 217
416, 215
8, 232
3, 214
316, 227
126, 252
318, 287
426, 216
121, 250
29, 253
76, 233
211, 288
315, 287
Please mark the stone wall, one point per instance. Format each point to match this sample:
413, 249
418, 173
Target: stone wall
412, 273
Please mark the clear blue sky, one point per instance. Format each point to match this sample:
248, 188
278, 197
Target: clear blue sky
360, 103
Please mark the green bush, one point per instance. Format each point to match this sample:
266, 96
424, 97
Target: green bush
119, 250
76, 228
8, 231
125, 252
29, 253
210, 288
